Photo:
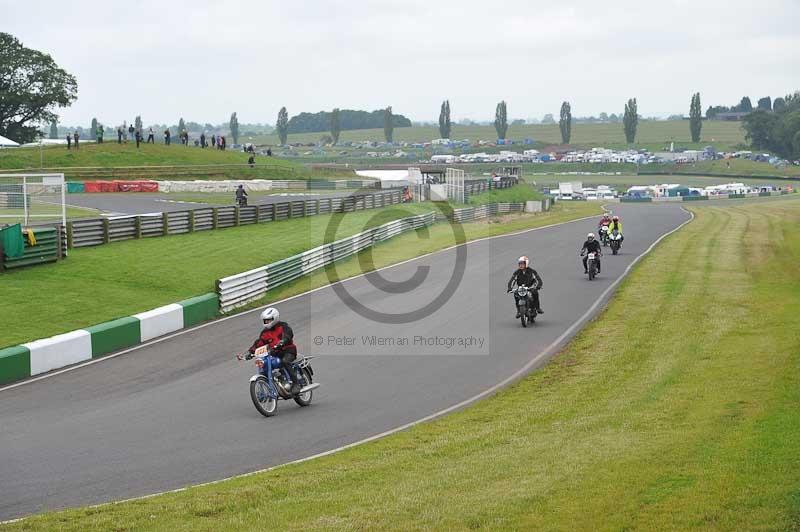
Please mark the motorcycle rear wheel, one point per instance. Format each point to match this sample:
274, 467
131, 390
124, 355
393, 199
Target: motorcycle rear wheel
304, 399
259, 393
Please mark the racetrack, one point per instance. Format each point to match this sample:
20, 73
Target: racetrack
177, 411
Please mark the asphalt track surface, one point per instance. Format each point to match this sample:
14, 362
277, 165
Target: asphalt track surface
178, 412
146, 203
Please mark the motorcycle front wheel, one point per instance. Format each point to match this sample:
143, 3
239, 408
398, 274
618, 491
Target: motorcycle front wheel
262, 400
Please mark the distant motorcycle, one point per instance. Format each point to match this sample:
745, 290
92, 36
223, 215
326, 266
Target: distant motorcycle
241, 202
272, 383
604, 235
527, 314
615, 240
591, 265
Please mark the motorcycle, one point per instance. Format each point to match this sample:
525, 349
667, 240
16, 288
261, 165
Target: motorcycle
272, 383
603, 235
241, 202
591, 265
527, 314
615, 238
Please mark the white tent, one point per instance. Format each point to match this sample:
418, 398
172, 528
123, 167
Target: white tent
7, 142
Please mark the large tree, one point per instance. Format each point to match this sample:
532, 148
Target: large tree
765, 103
93, 129
282, 125
388, 124
501, 120
234, 126
695, 117
745, 106
779, 104
53, 129
444, 120
630, 120
776, 131
336, 126
32, 86
565, 122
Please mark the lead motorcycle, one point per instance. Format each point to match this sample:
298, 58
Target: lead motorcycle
527, 314
615, 240
272, 383
591, 265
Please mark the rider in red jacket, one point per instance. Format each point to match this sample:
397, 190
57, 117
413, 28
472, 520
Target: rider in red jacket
278, 337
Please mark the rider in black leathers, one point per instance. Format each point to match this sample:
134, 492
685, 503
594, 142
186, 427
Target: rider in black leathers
526, 276
590, 246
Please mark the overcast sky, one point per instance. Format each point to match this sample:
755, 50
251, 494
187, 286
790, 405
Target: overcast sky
203, 60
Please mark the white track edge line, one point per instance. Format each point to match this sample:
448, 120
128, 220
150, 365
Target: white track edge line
505, 382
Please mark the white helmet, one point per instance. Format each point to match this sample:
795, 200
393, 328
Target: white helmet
270, 317
590, 236
523, 259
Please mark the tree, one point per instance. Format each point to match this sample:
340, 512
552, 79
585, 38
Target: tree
765, 103
234, 125
93, 129
604, 117
444, 120
759, 127
565, 122
137, 123
181, 126
282, 125
336, 126
776, 131
779, 104
745, 106
630, 120
53, 129
548, 119
388, 125
695, 117
32, 86
501, 120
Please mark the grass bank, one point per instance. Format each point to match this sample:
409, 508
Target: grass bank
516, 194
676, 409
101, 283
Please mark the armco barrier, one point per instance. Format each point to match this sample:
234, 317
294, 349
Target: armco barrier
47, 249
97, 231
694, 198
238, 290
469, 214
636, 200
32, 358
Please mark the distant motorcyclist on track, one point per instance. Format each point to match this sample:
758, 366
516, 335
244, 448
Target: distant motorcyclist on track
616, 225
591, 246
524, 275
604, 221
241, 196
278, 337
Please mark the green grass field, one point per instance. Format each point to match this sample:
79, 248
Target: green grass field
676, 409
650, 134
138, 275
516, 194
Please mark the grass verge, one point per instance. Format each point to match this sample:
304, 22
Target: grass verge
106, 282
676, 409
516, 194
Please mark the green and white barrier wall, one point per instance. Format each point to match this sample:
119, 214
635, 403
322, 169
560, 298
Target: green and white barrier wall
32, 358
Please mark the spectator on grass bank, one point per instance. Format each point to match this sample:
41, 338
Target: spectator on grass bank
151, 139
130, 130
203, 139
222, 143
119, 135
269, 152
75, 138
100, 132
252, 160
138, 138
213, 141
69, 141
166, 137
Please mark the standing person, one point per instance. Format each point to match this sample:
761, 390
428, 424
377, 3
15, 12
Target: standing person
100, 132
224, 142
138, 138
213, 141
269, 152
76, 137
130, 130
252, 160
151, 139
166, 136
203, 139
119, 135
69, 141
